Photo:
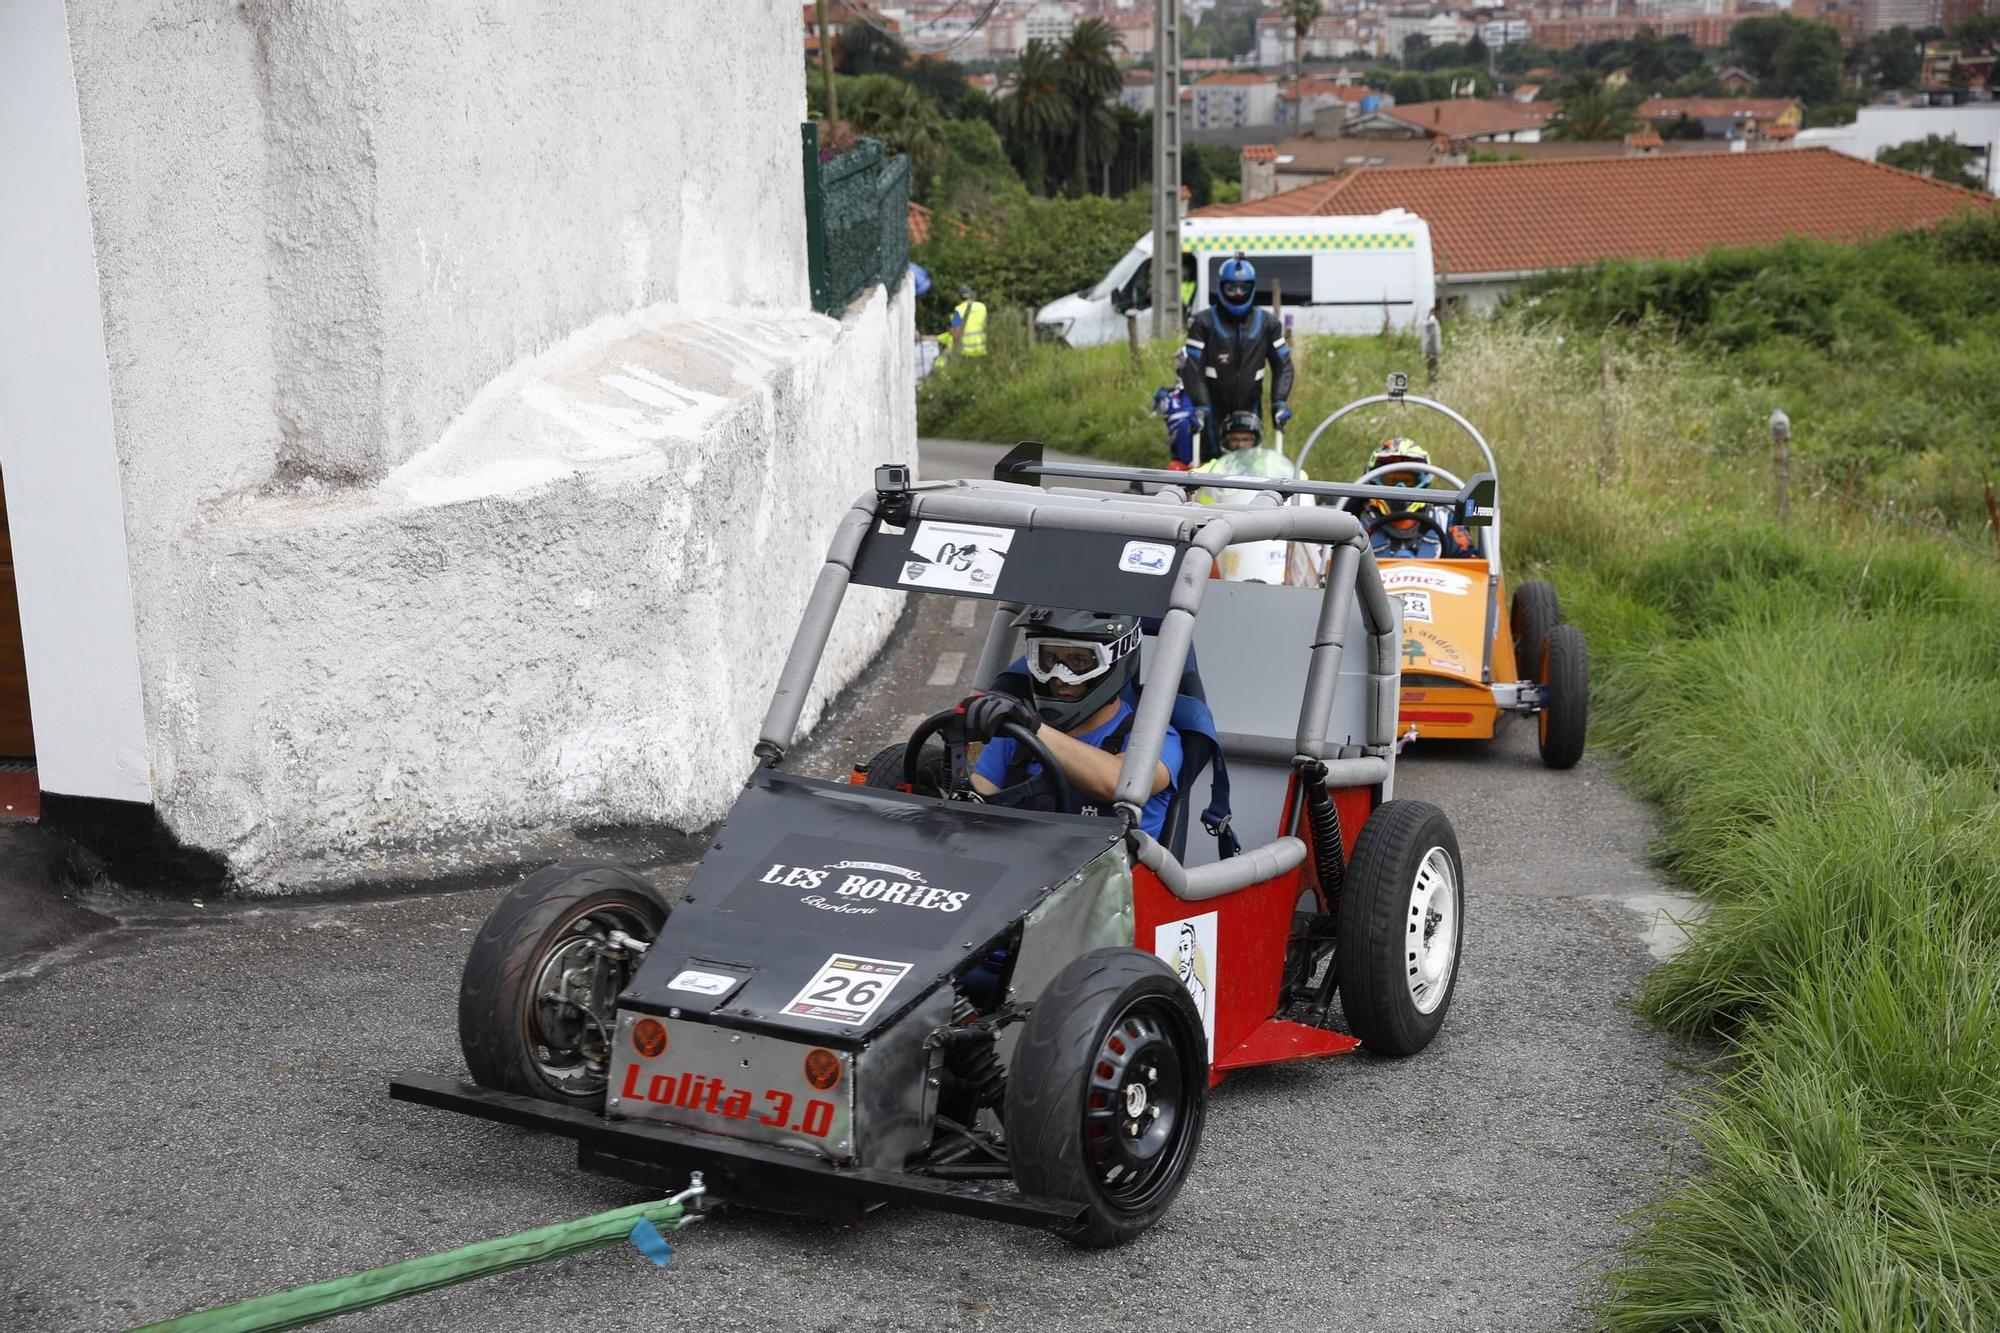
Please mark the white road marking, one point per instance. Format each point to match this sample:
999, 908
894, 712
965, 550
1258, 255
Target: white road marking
961, 614
948, 667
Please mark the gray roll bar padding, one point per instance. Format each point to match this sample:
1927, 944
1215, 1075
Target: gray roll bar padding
998, 650
788, 701
1251, 866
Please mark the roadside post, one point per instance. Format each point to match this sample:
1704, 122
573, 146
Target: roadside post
1607, 459
1781, 459
1132, 335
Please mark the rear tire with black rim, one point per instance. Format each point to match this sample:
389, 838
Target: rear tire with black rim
1565, 680
1107, 1093
1402, 925
885, 770
537, 1003
1533, 613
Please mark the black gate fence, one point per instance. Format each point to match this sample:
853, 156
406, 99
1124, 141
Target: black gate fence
857, 221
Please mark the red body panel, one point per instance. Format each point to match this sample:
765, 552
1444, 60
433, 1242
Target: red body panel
1250, 929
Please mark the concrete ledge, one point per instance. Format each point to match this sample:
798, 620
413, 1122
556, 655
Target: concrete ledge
569, 610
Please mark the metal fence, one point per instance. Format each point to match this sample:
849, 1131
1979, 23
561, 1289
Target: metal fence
857, 221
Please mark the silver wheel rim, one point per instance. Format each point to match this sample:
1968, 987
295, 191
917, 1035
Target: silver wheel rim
1430, 931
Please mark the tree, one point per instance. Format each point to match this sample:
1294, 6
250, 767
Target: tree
1892, 59
1477, 52
1807, 64
1036, 111
1939, 156
1754, 42
1978, 33
1301, 14
1647, 56
1589, 110
866, 49
1089, 77
1789, 57
1408, 88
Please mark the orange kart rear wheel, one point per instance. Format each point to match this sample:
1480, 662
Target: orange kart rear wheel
1565, 681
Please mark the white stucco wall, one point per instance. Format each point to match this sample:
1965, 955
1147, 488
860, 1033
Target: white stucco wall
378, 596
570, 610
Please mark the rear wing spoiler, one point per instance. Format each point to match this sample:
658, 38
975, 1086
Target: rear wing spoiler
1025, 464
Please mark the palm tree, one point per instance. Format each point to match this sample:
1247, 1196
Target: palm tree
1303, 14
1036, 110
886, 108
1090, 76
1592, 113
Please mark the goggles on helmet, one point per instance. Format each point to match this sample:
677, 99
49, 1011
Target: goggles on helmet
1071, 661
1076, 661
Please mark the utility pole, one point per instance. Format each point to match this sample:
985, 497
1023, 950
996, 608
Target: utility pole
826, 64
1166, 168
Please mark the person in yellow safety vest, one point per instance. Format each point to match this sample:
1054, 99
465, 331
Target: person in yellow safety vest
968, 326
1187, 286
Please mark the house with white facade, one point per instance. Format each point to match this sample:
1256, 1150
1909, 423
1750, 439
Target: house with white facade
1232, 100
418, 441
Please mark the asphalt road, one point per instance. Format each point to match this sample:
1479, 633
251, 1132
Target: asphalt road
196, 1112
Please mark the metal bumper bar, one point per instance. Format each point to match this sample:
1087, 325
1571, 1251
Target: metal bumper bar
610, 1145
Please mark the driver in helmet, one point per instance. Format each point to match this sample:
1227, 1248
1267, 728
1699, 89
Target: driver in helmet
1408, 537
1083, 667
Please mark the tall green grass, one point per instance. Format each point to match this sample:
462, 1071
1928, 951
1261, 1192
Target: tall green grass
1820, 728
1815, 709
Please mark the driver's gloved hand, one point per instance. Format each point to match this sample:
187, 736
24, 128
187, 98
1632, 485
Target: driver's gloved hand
1200, 420
1280, 413
986, 713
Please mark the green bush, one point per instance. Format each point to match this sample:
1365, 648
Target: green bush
1024, 251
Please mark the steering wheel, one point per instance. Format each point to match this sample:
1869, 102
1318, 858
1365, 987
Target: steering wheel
950, 724
1425, 526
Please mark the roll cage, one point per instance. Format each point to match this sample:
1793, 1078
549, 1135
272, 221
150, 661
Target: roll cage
1143, 554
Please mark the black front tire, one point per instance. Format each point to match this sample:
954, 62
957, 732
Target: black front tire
1534, 613
543, 940
1565, 680
1392, 989
1107, 1093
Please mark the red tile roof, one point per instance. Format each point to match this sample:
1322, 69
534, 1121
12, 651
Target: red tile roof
1509, 217
1697, 108
1225, 80
1315, 87
1463, 116
1259, 152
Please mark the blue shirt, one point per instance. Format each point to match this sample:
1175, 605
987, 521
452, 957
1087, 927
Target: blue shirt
998, 756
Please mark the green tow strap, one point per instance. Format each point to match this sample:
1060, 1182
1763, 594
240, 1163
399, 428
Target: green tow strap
379, 1286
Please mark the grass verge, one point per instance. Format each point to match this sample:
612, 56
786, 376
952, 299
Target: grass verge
1816, 711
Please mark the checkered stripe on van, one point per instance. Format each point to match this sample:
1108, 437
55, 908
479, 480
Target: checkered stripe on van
1379, 240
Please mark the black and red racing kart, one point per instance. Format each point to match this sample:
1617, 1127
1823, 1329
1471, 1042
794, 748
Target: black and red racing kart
870, 995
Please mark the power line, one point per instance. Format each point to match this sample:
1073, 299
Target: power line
910, 40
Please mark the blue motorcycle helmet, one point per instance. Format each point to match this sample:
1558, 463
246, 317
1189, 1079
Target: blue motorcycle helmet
1236, 285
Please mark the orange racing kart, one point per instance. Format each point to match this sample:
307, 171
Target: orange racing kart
1469, 655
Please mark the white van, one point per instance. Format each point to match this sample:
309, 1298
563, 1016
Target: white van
1333, 274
